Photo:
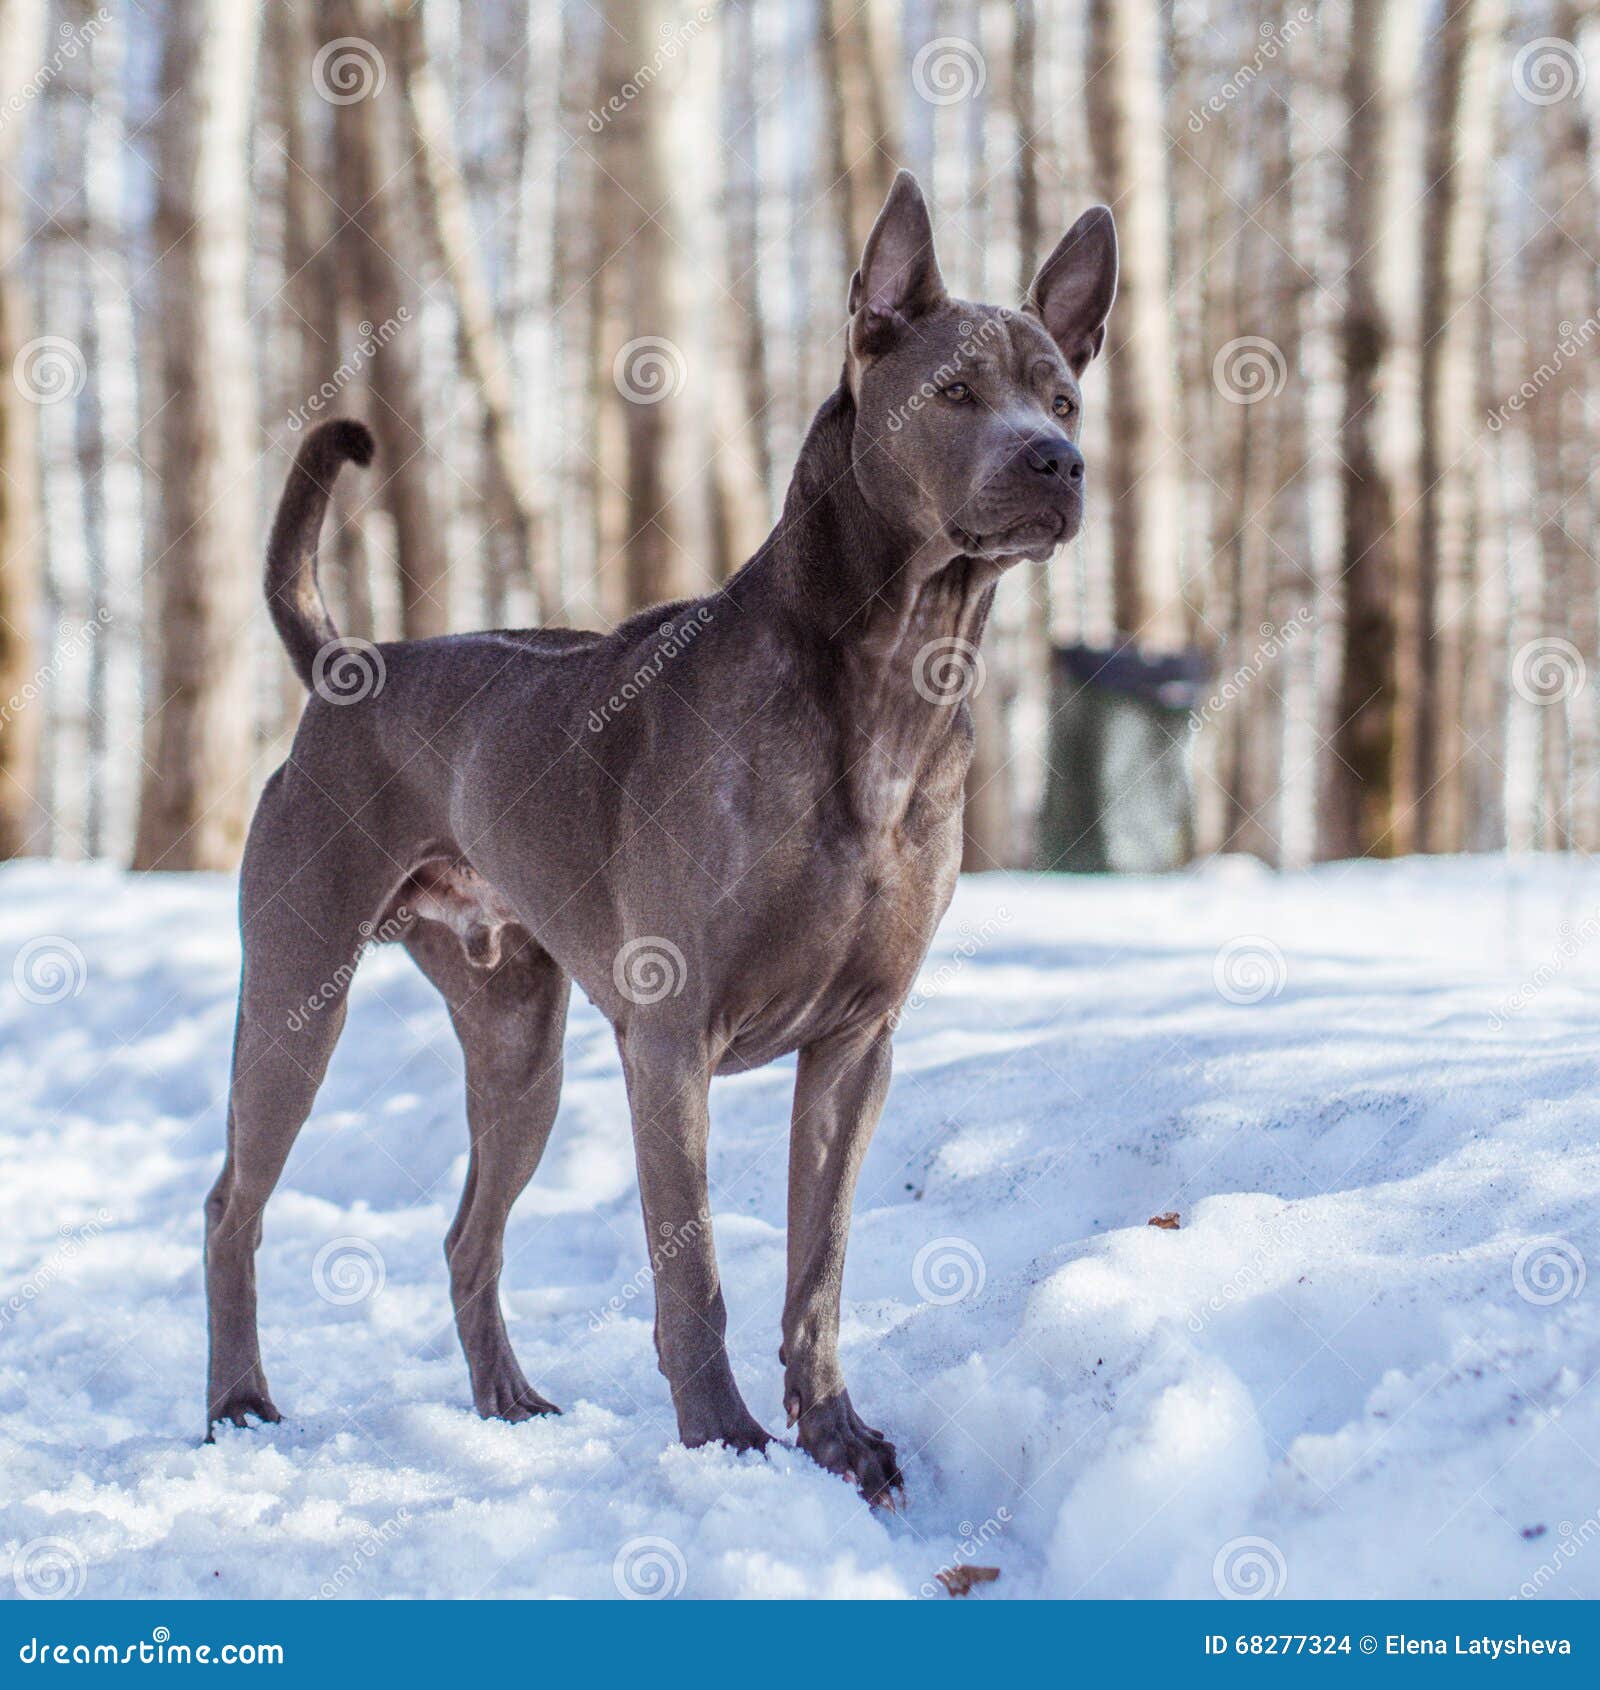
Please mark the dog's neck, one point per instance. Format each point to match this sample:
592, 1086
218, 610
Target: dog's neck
883, 633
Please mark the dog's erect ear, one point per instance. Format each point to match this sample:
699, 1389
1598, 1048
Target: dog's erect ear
899, 276
1076, 284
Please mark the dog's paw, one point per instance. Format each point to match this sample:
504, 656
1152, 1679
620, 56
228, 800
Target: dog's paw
512, 1399
837, 1438
239, 1408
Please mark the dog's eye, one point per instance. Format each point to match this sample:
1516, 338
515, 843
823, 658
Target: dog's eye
957, 392
1063, 406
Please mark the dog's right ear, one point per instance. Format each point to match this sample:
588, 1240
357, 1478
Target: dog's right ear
899, 277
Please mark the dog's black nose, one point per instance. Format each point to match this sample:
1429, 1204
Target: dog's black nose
1054, 454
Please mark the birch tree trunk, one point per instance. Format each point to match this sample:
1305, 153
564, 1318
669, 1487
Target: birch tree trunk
21, 536
196, 796
1123, 95
1460, 138
1359, 812
376, 243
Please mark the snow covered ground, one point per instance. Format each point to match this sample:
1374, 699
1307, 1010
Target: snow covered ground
1363, 1365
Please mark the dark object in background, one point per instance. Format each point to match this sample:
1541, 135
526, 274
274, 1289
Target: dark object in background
1119, 794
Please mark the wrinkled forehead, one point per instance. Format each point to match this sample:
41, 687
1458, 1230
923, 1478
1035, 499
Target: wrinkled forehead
1000, 343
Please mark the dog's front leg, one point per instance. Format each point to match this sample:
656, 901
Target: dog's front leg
668, 1084
839, 1094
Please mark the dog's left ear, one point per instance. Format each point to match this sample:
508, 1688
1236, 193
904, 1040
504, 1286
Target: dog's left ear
1076, 284
899, 278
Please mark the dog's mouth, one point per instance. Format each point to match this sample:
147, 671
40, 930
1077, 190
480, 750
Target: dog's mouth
1034, 536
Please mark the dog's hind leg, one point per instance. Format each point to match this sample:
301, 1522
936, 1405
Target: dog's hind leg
510, 1019
305, 918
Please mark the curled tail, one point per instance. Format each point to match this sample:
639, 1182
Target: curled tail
293, 596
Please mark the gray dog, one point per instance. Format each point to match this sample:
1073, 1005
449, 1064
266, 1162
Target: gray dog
734, 821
